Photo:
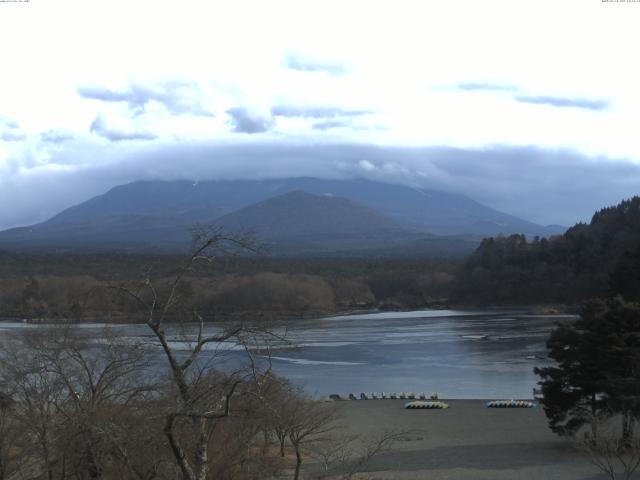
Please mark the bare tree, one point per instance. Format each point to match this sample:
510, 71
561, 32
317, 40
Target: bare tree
142, 450
25, 375
240, 451
279, 398
309, 422
345, 456
312, 428
202, 398
102, 381
94, 408
616, 456
72, 392
11, 438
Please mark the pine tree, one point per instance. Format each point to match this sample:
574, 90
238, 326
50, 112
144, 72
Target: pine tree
598, 368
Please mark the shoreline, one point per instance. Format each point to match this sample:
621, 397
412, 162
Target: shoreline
439, 399
466, 441
284, 317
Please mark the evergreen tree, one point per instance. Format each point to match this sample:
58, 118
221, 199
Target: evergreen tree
625, 278
598, 368
583, 263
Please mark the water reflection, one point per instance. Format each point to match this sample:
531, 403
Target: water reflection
459, 354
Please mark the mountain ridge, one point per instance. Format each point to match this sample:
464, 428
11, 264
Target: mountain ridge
427, 210
301, 214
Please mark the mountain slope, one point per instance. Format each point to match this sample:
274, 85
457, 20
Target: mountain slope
566, 268
295, 223
299, 213
313, 216
104, 232
421, 209
424, 210
302, 222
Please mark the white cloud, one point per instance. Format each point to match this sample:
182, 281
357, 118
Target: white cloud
422, 74
366, 165
392, 57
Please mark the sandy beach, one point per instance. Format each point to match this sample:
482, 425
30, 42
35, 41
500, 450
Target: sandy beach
467, 442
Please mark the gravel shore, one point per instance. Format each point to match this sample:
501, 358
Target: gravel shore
467, 441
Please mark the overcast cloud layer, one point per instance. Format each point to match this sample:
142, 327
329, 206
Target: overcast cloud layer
516, 104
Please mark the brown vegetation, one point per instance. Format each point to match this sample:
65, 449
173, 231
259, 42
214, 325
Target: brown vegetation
63, 287
75, 405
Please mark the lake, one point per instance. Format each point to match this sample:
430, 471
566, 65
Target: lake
456, 353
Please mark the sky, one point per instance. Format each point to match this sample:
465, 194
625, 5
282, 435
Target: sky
531, 107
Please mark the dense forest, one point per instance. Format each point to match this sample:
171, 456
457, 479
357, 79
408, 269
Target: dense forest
80, 286
589, 260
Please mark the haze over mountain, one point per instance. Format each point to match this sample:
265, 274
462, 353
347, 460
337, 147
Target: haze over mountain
294, 214
423, 210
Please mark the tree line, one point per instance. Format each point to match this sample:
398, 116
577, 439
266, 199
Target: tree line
78, 405
589, 260
60, 286
591, 393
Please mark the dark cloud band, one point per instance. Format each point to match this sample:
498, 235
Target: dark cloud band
564, 102
102, 129
544, 186
244, 122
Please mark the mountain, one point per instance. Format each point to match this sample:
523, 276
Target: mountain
303, 222
136, 232
423, 210
298, 213
305, 215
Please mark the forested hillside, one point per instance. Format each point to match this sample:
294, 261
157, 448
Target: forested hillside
584, 262
58, 286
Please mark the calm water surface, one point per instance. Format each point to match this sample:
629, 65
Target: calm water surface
459, 354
